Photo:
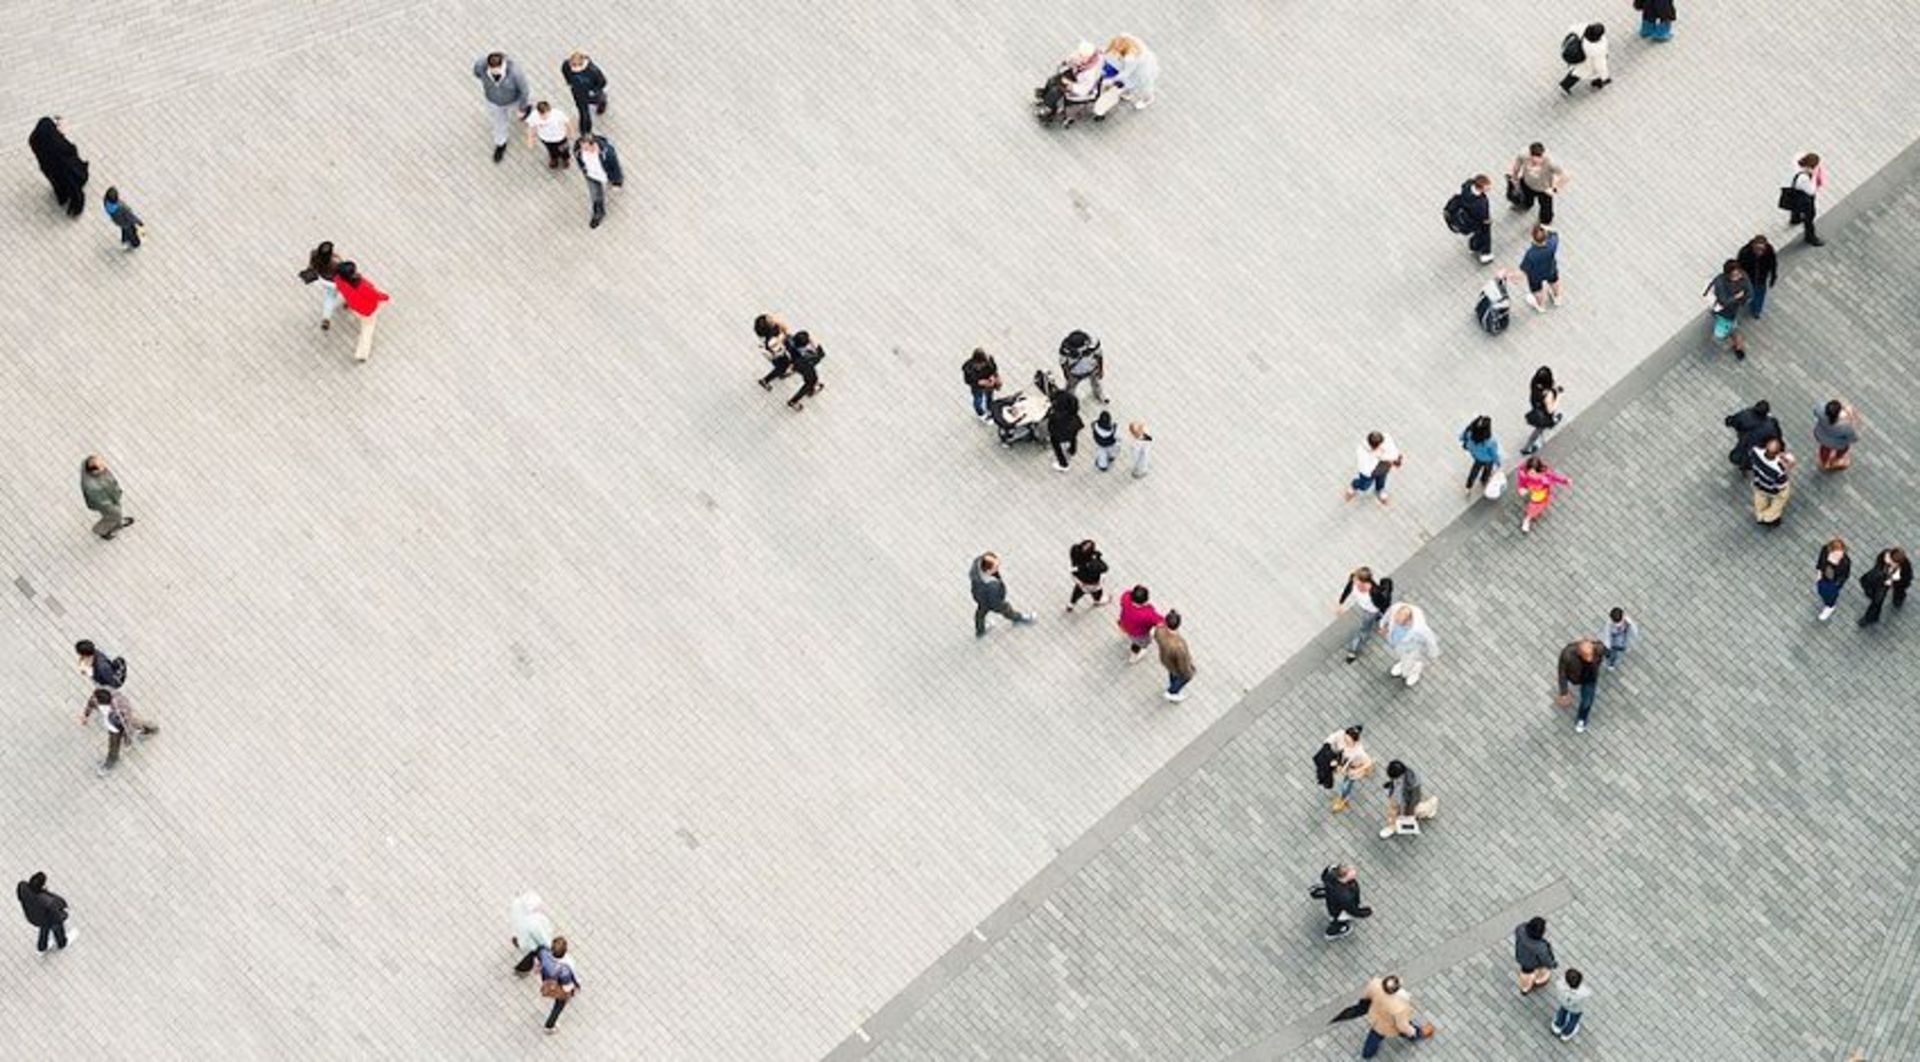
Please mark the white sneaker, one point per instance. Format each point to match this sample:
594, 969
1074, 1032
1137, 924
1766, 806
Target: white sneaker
1825, 614
1396, 670
1176, 697
1579, 728
1485, 258
1387, 832
1059, 468
1134, 658
1413, 679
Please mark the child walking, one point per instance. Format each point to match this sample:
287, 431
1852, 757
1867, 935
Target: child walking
1106, 439
1618, 635
1536, 482
122, 215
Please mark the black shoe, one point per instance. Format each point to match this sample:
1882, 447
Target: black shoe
1318, 892
499, 152
1739, 355
1364, 912
1816, 243
1602, 82
764, 385
600, 108
1351, 657
1338, 930
597, 219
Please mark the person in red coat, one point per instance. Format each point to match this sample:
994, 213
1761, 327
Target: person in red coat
364, 300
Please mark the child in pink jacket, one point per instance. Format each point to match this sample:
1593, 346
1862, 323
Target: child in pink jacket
1535, 483
1138, 618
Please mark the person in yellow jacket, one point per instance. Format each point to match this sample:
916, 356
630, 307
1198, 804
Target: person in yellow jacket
1390, 1013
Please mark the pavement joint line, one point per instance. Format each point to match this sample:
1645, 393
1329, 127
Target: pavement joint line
1493, 930
1689, 340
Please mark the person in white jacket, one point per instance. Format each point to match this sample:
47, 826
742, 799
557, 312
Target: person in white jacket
1413, 643
1593, 62
1130, 71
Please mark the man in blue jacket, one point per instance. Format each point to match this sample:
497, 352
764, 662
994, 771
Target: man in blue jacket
600, 165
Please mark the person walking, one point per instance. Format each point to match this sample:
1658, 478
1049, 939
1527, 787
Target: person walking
805, 355
1535, 178
1580, 667
1339, 888
1368, 600
46, 911
122, 215
1138, 618
117, 717
772, 333
322, 267
1390, 1013
1836, 427
1478, 441
1373, 461
1727, 292
553, 130
588, 86
1349, 765
1081, 361
100, 489
990, 594
1534, 954
1772, 466
1413, 644
559, 980
1407, 803
505, 91
1174, 656
1536, 482
1541, 265
1472, 213
1063, 426
1584, 50
982, 376
99, 666
1572, 998
1762, 267
1800, 198
1129, 71
600, 165
1752, 427
1106, 440
1890, 575
1618, 636
1656, 19
1088, 567
532, 930
364, 300
1142, 447
60, 163
1834, 566
1543, 409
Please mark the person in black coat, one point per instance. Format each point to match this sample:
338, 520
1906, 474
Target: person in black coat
1656, 19
61, 163
1063, 425
1835, 566
1088, 569
806, 356
1762, 268
1340, 888
589, 88
1752, 427
1891, 574
45, 911
1473, 194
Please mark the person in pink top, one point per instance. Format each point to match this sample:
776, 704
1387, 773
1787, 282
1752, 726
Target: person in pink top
1138, 618
363, 299
1535, 483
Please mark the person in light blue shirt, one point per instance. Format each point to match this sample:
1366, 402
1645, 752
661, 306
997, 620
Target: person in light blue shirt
1478, 441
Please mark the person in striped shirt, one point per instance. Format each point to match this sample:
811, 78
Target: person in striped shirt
1772, 465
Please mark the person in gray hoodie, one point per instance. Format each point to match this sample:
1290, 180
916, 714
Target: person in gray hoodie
990, 594
506, 93
1533, 953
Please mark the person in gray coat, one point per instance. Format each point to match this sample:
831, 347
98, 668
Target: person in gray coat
1533, 953
990, 594
506, 93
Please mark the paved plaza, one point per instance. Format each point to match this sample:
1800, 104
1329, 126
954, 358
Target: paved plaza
547, 595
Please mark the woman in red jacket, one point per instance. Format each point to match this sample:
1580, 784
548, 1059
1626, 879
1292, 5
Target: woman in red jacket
364, 300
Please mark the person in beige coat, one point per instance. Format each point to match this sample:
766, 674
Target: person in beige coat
1390, 1013
1174, 656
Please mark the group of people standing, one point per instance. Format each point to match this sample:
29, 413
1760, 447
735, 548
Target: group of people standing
509, 100
1082, 361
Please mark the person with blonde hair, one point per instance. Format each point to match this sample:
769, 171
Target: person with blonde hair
588, 85
1129, 71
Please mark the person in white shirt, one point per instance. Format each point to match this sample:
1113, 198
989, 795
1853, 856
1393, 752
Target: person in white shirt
553, 129
1372, 461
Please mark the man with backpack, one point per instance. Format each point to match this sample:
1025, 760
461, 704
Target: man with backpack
1082, 362
806, 356
101, 668
1340, 888
1470, 214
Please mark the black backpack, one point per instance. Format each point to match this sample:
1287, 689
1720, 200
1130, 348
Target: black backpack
1458, 218
1572, 50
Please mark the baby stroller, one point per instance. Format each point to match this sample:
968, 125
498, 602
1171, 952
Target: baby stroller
1072, 90
1017, 419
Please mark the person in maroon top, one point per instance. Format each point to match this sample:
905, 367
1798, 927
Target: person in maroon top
364, 300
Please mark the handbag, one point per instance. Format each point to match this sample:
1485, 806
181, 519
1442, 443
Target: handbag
1496, 486
1793, 200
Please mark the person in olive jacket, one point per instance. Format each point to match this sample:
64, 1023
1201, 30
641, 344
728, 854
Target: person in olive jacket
45, 911
1533, 953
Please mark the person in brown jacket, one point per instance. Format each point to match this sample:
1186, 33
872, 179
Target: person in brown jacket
1174, 656
1390, 1013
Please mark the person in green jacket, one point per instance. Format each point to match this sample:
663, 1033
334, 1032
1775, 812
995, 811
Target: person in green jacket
102, 493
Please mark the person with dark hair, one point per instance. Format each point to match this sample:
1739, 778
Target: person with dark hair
982, 377
364, 300
1572, 998
1373, 462
772, 333
1890, 575
1063, 425
1390, 1013
100, 667
1541, 265
1533, 953
60, 163
1762, 268
1478, 222
1730, 291
1535, 178
1584, 49
1543, 409
100, 489
1836, 427
45, 911
1656, 19
1478, 441
322, 267
1368, 599
558, 981
1106, 440
505, 90
600, 165
122, 215
1580, 667
1405, 800
1340, 888
1752, 427
1138, 618
588, 85
1618, 636
1174, 656
1081, 361
118, 718
550, 125
1347, 762
1088, 568
1772, 467
1536, 482
1834, 566
805, 355
1801, 198
990, 594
